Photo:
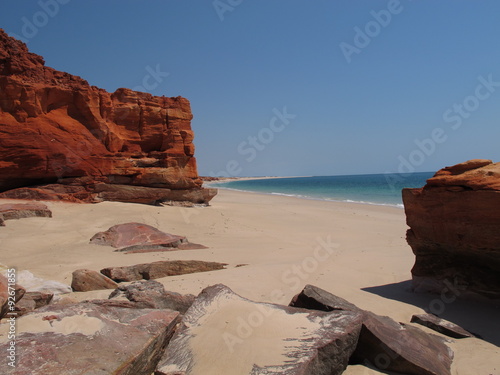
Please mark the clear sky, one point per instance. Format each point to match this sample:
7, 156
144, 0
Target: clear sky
289, 87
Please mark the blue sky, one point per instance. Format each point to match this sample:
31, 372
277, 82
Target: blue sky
291, 87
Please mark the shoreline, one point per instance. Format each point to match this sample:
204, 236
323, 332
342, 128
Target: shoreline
215, 184
356, 251
400, 206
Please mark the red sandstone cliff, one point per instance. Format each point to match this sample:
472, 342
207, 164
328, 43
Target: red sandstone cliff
86, 143
454, 230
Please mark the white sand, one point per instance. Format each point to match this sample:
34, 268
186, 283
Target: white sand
286, 243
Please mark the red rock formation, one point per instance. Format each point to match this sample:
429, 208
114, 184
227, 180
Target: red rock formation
454, 230
55, 127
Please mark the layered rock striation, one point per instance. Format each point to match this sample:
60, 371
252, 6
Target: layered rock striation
454, 230
82, 143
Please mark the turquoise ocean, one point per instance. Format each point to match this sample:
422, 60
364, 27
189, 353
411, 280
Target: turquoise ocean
378, 189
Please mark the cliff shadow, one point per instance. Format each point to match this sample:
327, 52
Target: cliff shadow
478, 316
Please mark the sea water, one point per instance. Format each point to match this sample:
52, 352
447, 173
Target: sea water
378, 189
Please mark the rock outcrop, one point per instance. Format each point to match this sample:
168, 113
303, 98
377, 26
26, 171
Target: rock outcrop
79, 143
454, 230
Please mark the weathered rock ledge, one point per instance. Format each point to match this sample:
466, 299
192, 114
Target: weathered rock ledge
454, 230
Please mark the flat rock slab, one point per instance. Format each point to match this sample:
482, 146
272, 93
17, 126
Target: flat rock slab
9, 211
157, 270
89, 339
152, 294
440, 325
223, 333
387, 344
86, 280
133, 236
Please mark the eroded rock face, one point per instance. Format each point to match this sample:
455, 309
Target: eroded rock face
454, 230
89, 339
57, 129
223, 333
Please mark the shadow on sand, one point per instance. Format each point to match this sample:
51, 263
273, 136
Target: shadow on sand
478, 316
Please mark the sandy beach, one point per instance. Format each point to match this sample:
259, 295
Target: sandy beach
274, 246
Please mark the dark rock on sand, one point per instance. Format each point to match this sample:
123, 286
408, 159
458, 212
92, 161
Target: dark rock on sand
401, 348
156, 270
86, 338
385, 343
86, 280
314, 298
440, 325
223, 333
